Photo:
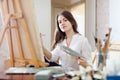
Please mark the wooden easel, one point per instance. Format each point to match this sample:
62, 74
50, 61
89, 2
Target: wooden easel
13, 15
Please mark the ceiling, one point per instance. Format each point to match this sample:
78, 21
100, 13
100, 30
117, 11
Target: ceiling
65, 3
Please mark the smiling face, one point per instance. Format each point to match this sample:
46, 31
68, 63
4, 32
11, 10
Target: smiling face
64, 24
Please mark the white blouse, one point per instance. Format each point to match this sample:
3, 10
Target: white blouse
79, 44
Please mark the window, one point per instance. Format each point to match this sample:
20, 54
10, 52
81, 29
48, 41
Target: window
115, 20
79, 14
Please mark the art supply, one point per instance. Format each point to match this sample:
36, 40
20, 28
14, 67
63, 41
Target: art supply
70, 51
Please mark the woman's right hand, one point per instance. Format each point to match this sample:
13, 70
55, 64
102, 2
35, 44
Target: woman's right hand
41, 38
45, 51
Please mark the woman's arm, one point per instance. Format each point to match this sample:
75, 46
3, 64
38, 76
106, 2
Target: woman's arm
83, 62
45, 51
86, 60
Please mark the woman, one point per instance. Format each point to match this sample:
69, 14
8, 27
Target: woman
68, 36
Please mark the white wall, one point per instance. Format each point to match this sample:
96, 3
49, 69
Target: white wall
43, 20
115, 20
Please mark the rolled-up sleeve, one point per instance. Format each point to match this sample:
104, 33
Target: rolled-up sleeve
86, 51
55, 53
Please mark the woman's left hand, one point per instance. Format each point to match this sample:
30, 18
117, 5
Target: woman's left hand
82, 61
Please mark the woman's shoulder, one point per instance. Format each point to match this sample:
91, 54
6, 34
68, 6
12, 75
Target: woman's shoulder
78, 35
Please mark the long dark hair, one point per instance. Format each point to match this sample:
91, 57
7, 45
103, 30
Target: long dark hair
59, 35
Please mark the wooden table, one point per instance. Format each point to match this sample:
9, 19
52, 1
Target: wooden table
21, 73
24, 73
